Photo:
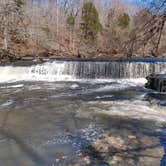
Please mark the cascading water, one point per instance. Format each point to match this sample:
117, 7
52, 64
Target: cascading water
59, 70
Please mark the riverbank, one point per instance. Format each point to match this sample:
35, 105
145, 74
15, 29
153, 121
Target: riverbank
9, 58
32, 60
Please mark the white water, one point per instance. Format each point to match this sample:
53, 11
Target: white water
129, 72
45, 72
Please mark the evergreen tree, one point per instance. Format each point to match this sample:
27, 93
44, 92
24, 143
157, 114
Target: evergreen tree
70, 20
19, 3
90, 25
123, 20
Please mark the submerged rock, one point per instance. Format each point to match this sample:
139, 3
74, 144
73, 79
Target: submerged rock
124, 149
128, 142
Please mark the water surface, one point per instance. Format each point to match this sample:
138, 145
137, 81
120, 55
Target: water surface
52, 123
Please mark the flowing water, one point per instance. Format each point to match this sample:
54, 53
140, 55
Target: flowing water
51, 113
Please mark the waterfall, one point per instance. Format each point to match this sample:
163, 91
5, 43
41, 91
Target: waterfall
62, 70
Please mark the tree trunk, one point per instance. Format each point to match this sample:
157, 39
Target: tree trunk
5, 33
159, 38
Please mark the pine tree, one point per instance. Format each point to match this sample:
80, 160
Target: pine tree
19, 3
70, 20
123, 20
90, 25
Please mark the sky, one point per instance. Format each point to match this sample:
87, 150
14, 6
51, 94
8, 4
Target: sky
134, 1
129, 1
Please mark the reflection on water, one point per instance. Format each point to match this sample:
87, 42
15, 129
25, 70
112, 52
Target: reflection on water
67, 123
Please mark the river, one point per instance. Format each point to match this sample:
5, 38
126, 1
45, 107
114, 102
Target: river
54, 115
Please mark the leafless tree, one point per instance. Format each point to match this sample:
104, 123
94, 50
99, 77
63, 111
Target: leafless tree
149, 27
42, 27
11, 22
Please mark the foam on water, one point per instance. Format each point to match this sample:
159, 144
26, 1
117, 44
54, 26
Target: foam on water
122, 84
104, 96
12, 86
81, 71
74, 86
43, 72
163, 72
6, 104
136, 109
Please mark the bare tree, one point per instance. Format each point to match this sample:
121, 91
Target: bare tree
53, 27
151, 22
11, 22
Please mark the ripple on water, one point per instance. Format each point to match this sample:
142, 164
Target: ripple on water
162, 103
104, 96
74, 86
78, 140
127, 108
6, 104
12, 86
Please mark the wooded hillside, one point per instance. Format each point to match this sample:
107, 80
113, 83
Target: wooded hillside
82, 28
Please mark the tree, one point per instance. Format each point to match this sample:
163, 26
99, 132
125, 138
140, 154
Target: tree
19, 3
148, 32
90, 25
59, 27
70, 20
11, 21
123, 20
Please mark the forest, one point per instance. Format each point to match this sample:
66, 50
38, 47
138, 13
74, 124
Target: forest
82, 28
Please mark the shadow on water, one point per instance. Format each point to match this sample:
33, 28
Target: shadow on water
128, 142
29, 151
23, 146
161, 98
162, 137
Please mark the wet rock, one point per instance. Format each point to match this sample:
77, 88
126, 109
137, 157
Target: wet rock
115, 160
124, 149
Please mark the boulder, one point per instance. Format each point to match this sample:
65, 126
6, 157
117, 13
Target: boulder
156, 82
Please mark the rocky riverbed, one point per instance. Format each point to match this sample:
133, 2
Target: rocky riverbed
134, 138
